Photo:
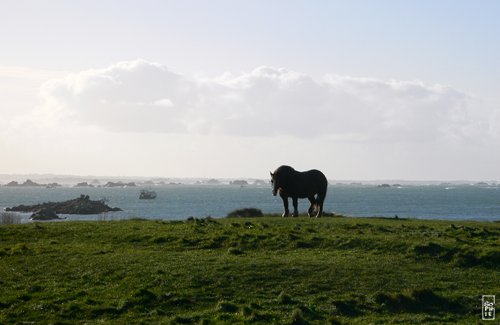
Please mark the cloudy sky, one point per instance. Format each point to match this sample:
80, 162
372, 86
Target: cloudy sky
359, 89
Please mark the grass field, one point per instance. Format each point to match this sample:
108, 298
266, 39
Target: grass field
251, 270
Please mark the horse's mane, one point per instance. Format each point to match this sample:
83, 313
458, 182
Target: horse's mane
284, 170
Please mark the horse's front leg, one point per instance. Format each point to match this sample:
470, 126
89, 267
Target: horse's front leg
285, 205
295, 201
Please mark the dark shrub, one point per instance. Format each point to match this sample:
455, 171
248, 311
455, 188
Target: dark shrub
245, 213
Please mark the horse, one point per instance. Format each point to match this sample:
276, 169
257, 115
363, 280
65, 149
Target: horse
311, 184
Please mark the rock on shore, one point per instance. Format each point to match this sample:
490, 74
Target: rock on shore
81, 205
45, 214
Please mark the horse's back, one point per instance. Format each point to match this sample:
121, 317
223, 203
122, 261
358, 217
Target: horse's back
312, 182
317, 175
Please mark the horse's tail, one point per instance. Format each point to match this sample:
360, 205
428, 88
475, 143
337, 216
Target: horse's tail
321, 197
322, 194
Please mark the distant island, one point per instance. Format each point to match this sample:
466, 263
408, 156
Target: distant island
120, 184
211, 181
239, 183
30, 183
84, 184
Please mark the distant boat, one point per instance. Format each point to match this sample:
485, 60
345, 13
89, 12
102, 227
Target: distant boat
147, 195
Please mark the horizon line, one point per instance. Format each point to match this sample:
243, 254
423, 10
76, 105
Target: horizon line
337, 180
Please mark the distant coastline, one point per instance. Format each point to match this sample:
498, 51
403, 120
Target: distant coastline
92, 180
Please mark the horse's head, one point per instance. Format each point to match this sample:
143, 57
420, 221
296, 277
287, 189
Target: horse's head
280, 179
275, 183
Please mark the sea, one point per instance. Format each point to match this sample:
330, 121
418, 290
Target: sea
181, 201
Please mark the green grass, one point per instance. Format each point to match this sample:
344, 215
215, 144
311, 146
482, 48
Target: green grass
248, 270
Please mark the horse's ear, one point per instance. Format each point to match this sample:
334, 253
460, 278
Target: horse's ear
272, 175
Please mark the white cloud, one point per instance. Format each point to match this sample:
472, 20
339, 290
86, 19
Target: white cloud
163, 102
141, 118
128, 96
141, 96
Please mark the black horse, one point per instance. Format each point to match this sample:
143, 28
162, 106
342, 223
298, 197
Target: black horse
291, 183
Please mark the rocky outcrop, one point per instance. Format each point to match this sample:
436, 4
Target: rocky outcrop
30, 183
45, 214
120, 184
81, 205
84, 184
212, 181
239, 182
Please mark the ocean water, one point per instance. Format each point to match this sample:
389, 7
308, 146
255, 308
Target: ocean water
173, 202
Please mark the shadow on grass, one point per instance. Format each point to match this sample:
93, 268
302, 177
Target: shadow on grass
460, 256
419, 301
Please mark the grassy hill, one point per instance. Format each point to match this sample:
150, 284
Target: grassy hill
249, 270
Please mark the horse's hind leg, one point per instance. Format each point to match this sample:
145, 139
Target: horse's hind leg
320, 210
311, 207
319, 203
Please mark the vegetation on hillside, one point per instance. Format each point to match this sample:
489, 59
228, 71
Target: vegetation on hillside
248, 270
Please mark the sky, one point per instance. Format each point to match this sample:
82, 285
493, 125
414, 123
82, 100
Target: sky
362, 90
